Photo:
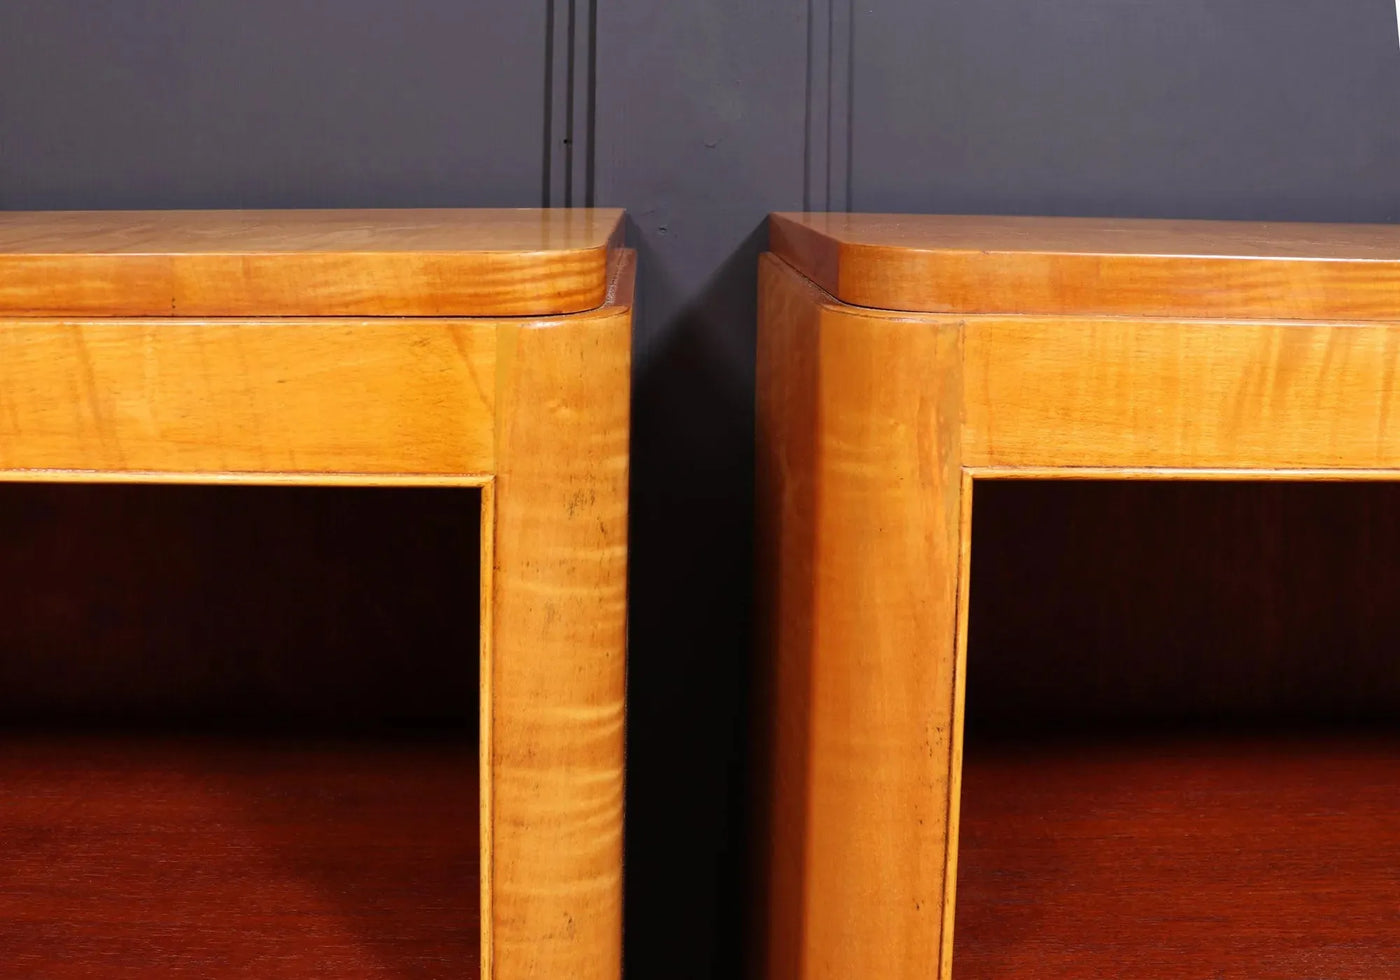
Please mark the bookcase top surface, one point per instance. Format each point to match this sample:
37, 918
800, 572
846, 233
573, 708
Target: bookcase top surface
424, 262
1097, 266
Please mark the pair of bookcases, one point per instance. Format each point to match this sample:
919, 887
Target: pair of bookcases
251, 736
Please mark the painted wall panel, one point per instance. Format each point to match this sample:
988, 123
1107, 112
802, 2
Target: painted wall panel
270, 103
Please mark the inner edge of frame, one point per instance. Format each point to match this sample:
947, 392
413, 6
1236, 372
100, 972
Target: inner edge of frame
249, 478
1310, 474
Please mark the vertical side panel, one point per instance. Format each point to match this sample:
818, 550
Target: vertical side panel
558, 671
785, 488
861, 513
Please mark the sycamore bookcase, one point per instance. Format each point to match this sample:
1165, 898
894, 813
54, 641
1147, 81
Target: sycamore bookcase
475, 349
903, 361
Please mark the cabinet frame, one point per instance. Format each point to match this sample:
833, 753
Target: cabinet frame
533, 410
874, 427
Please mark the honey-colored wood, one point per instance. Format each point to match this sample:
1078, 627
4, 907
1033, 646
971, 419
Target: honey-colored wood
248, 396
1156, 393
860, 489
557, 657
439, 262
1095, 266
473, 349
1077, 349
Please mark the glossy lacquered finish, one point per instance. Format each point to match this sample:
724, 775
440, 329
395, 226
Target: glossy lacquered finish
437, 262
1103, 266
946, 351
487, 350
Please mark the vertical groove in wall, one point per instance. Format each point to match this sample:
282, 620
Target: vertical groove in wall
590, 182
843, 103
570, 67
546, 167
807, 145
826, 178
571, 85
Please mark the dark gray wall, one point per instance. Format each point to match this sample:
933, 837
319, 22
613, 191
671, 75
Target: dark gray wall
269, 103
700, 118
1269, 109
700, 135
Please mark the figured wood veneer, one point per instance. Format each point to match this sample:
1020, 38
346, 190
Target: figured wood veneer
903, 360
1097, 266
428, 262
385, 348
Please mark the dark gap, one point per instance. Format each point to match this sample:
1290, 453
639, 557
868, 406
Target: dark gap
239, 730
1182, 743
277, 608
1145, 606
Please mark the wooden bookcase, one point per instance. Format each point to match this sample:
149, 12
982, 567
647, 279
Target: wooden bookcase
912, 367
347, 382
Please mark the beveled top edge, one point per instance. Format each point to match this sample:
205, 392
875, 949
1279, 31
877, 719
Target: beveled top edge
1086, 266
366, 262
1157, 237
327, 230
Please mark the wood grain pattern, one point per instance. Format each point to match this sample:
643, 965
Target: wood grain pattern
1092, 266
1271, 858
859, 424
1190, 393
199, 857
221, 396
485, 349
557, 655
446, 262
1141, 350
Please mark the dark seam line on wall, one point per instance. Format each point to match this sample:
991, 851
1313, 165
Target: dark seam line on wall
548, 102
569, 112
592, 135
848, 203
830, 65
807, 122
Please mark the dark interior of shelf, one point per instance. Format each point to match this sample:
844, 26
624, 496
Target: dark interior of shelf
239, 732
1183, 732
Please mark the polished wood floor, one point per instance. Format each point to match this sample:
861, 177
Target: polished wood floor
1188, 857
230, 856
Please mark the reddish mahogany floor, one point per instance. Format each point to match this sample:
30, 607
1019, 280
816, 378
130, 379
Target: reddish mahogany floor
1200, 858
126, 857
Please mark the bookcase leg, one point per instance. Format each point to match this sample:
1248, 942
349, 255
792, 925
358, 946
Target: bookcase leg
556, 660
861, 522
